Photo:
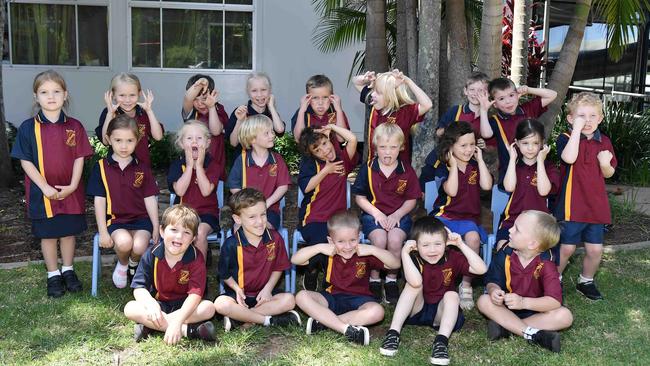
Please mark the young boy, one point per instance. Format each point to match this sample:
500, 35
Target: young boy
346, 304
386, 190
502, 125
251, 263
260, 168
200, 103
319, 107
587, 159
169, 283
524, 296
429, 297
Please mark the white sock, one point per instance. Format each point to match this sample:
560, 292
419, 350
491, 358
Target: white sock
66, 268
529, 332
388, 279
267, 320
53, 273
375, 279
121, 266
583, 279
133, 263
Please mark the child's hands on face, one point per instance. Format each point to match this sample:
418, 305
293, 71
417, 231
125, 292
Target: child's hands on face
604, 157
108, 99
147, 100
578, 124
522, 90
497, 297
270, 103
369, 78
480, 143
201, 85
189, 159
200, 159
541, 156
329, 250
211, 98
399, 77
451, 160
484, 100
241, 112
478, 153
512, 151
304, 101
336, 102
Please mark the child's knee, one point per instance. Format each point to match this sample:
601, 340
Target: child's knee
473, 239
223, 304
567, 249
565, 316
595, 250
132, 309
375, 312
287, 300
484, 302
206, 309
451, 297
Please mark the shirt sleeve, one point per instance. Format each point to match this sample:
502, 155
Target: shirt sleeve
100, 126
360, 186
412, 113
174, 174
533, 108
375, 263
461, 262
196, 284
230, 125
234, 180
143, 277
83, 148
227, 259
23, 146
413, 190
448, 117
493, 125
307, 171
364, 94
551, 281
222, 114
95, 186
561, 143
553, 174
284, 179
496, 272
294, 118
281, 262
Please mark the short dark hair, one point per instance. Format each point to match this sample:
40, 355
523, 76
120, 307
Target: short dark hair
500, 84
428, 225
123, 121
450, 136
317, 81
309, 138
196, 78
476, 77
247, 197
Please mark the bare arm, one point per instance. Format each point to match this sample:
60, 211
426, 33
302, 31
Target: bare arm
422, 98
300, 117
547, 95
570, 152
476, 264
411, 274
278, 125
389, 260
35, 176
510, 179
302, 256
360, 81
151, 204
543, 182
146, 104
485, 180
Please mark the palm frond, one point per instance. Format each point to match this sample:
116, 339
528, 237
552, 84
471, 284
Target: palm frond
341, 28
623, 18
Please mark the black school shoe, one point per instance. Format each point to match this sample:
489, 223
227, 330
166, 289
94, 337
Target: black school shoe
72, 283
589, 290
439, 354
357, 334
391, 289
204, 331
130, 272
314, 326
55, 286
310, 280
376, 290
291, 317
547, 339
141, 332
495, 331
391, 343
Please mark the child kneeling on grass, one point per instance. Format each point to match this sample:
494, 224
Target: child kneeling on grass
429, 296
346, 304
524, 296
169, 282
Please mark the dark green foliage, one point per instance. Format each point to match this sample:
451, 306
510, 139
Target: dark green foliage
286, 146
162, 152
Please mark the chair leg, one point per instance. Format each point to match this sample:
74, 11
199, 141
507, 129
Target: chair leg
96, 268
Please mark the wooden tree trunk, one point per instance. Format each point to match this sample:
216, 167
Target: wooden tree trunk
490, 45
524, 52
401, 57
459, 58
411, 37
443, 70
7, 176
519, 31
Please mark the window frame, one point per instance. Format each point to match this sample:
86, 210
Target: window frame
162, 4
76, 4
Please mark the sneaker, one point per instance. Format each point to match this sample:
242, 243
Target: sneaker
119, 276
310, 280
589, 290
230, 324
391, 343
130, 273
547, 339
291, 317
72, 283
391, 289
55, 286
495, 331
314, 326
204, 331
375, 290
439, 354
358, 334
141, 332
466, 297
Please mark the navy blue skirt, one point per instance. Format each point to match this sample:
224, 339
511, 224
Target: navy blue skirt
59, 226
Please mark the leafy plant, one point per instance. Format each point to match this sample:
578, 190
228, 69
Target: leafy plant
162, 152
286, 146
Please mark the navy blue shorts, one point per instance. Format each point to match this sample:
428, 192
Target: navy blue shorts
344, 303
503, 234
168, 307
524, 313
211, 220
59, 226
314, 233
251, 301
462, 227
581, 232
368, 224
141, 224
427, 315
273, 218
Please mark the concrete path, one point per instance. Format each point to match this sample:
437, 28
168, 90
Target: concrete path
641, 195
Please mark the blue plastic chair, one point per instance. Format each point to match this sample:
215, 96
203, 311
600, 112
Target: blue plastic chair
499, 201
430, 194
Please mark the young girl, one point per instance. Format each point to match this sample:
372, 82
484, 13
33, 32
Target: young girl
123, 99
194, 176
51, 147
323, 179
261, 101
390, 102
462, 173
529, 179
126, 208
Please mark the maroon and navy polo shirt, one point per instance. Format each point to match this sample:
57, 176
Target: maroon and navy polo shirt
438, 278
193, 196
466, 205
405, 118
526, 196
52, 146
187, 277
388, 194
462, 113
329, 196
351, 276
583, 197
232, 121
217, 148
125, 190
144, 127
251, 266
539, 278
315, 121
266, 179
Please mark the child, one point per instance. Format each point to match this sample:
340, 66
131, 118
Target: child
462, 174
386, 189
250, 265
431, 274
261, 101
346, 304
390, 102
169, 283
123, 99
587, 159
260, 168
323, 179
52, 147
524, 296
530, 179
126, 207
319, 107
193, 179
200, 103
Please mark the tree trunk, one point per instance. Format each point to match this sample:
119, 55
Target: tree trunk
401, 58
411, 37
376, 48
524, 52
7, 176
443, 71
428, 61
519, 33
459, 58
566, 63
490, 45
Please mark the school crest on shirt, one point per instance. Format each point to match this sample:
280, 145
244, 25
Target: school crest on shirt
331, 118
538, 270
270, 251
447, 274
138, 179
142, 128
71, 138
391, 119
360, 269
184, 277
401, 186
273, 170
473, 177
533, 182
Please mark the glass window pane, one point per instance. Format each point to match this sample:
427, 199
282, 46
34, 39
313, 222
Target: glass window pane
243, 2
43, 34
192, 39
239, 40
197, 1
145, 37
93, 35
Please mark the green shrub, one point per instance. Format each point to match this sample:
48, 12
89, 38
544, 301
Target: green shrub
162, 152
286, 146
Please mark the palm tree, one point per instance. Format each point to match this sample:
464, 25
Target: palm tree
520, 28
7, 176
459, 56
490, 45
376, 48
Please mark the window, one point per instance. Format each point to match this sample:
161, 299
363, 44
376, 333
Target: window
58, 34
207, 34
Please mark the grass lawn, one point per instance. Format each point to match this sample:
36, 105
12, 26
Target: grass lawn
79, 329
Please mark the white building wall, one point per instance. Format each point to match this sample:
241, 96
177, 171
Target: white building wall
282, 46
